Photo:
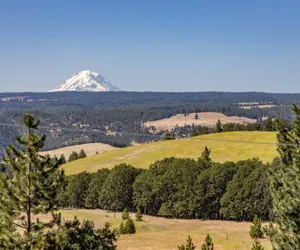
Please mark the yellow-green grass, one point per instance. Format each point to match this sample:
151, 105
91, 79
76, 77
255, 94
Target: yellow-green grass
227, 146
161, 233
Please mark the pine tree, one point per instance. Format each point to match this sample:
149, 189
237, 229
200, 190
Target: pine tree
138, 215
129, 226
125, 214
189, 245
255, 229
208, 244
256, 245
121, 228
196, 117
285, 188
205, 155
82, 154
219, 127
29, 189
63, 159
73, 156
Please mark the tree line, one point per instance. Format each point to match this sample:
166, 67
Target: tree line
177, 188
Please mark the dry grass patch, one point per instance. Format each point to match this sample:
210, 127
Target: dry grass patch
208, 119
89, 148
160, 233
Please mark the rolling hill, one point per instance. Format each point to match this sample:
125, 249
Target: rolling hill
229, 146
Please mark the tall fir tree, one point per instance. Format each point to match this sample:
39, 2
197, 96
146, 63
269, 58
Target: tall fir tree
255, 229
208, 244
285, 188
82, 154
256, 245
189, 245
30, 188
205, 155
219, 126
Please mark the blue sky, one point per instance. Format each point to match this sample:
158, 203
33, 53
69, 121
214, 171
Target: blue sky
152, 45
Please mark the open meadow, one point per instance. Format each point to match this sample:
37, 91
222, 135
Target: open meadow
227, 146
160, 233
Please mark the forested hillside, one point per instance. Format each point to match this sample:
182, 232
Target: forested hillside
117, 118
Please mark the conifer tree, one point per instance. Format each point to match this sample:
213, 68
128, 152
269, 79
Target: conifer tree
63, 159
256, 245
205, 155
208, 244
196, 117
285, 188
129, 226
255, 229
29, 189
125, 214
138, 215
189, 245
82, 154
219, 127
73, 156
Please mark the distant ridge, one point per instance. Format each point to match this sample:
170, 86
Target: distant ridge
86, 81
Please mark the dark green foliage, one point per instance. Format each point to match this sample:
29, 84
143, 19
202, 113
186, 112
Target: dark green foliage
285, 188
121, 229
189, 245
117, 191
255, 229
129, 227
269, 125
205, 155
77, 190
30, 188
82, 154
196, 117
125, 214
210, 187
63, 159
95, 186
219, 126
72, 235
169, 136
256, 245
138, 215
73, 156
208, 244
247, 194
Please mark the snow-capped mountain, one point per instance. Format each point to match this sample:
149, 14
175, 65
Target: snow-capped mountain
86, 81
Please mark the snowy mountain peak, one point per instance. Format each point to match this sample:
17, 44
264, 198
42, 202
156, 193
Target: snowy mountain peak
86, 80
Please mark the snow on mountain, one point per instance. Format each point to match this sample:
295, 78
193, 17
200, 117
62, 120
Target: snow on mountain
86, 81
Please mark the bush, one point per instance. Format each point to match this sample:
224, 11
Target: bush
125, 214
128, 227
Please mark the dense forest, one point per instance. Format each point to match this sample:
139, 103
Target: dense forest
177, 188
117, 118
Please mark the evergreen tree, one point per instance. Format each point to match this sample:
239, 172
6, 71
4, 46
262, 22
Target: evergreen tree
219, 127
169, 136
255, 229
121, 228
129, 227
29, 189
73, 156
205, 155
138, 215
63, 159
208, 244
285, 188
189, 245
125, 214
82, 154
196, 117
256, 245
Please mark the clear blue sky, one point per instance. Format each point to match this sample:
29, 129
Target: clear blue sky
152, 45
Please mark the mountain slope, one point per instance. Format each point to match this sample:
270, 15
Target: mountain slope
227, 146
86, 81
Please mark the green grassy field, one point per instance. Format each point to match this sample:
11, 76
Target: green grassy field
142, 156
161, 233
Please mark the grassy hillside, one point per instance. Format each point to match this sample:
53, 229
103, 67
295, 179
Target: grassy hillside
142, 156
89, 148
161, 233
